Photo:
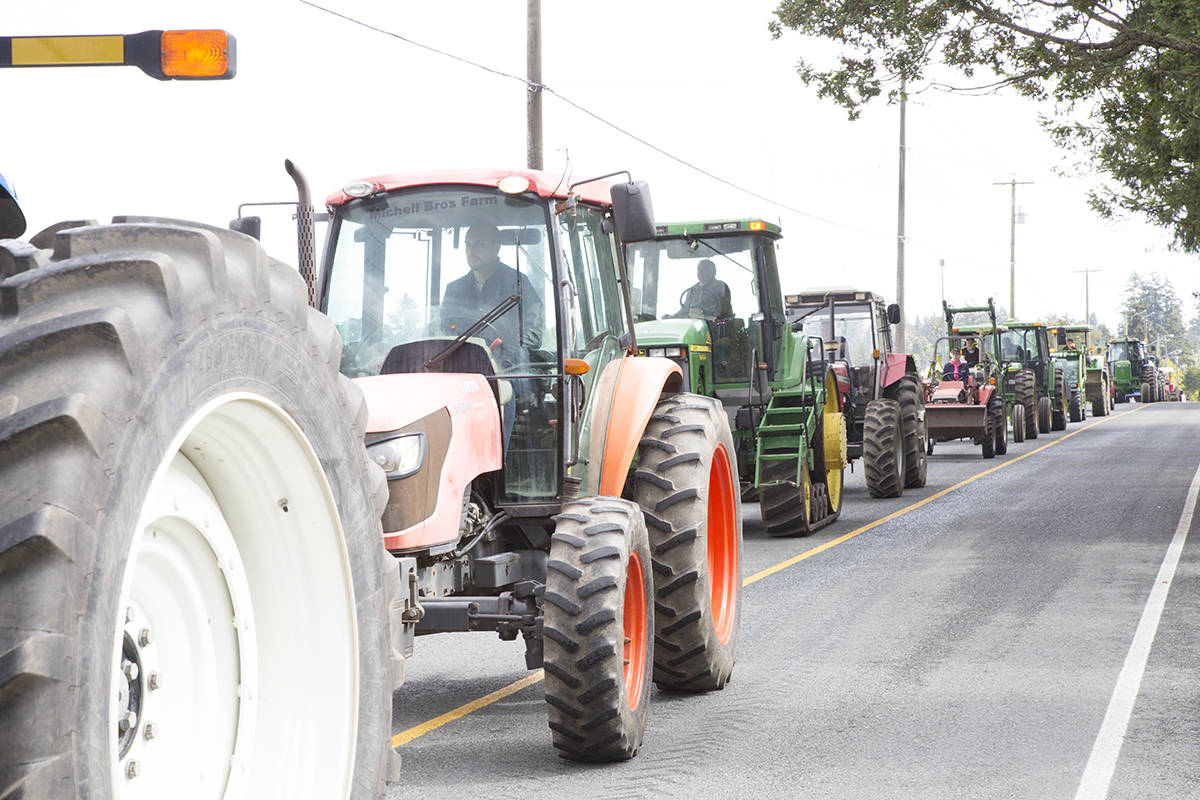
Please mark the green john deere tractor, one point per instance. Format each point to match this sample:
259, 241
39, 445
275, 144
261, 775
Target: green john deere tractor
706, 295
1084, 372
1133, 370
1033, 379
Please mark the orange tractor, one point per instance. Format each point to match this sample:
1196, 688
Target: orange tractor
225, 515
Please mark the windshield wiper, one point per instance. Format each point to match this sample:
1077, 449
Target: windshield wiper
488, 318
718, 252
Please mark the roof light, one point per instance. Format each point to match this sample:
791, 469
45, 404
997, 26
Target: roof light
758, 225
513, 184
359, 188
195, 54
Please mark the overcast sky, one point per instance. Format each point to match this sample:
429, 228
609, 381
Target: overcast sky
701, 80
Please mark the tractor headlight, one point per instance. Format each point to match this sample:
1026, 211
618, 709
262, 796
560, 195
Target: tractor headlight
399, 456
656, 352
676, 352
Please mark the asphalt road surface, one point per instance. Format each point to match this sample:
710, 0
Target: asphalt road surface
1022, 627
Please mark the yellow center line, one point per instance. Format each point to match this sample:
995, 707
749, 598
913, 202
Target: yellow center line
406, 736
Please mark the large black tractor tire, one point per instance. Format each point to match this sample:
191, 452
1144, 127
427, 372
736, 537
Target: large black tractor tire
1075, 407
1025, 393
1149, 379
912, 423
1058, 414
787, 509
599, 630
1018, 423
1044, 414
1099, 408
182, 471
883, 448
999, 423
686, 483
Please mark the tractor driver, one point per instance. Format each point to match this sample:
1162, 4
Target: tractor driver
956, 370
970, 353
487, 283
708, 298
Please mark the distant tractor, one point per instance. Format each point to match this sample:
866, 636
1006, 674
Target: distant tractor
974, 407
1035, 382
1082, 368
706, 297
1133, 370
877, 383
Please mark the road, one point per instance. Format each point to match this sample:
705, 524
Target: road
962, 641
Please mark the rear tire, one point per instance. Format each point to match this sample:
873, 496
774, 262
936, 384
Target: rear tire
599, 592
182, 471
883, 448
988, 445
786, 508
687, 487
1146, 398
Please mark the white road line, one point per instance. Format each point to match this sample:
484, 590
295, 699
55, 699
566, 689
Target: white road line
1103, 761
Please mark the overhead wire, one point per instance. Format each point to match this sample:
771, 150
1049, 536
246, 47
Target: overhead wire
534, 86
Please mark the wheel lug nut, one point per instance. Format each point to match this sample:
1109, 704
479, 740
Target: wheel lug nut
144, 637
149, 730
127, 720
130, 669
131, 769
155, 681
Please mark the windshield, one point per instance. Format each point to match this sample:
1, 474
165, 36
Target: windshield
1118, 351
1070, 368
851, 328
710, 278
427, 264
1019, 345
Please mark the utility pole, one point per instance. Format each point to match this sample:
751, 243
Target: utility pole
900, 228
1012, 245
533, 105
1087, 308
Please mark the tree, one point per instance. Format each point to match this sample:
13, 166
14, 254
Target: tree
1153, 312
1125, 79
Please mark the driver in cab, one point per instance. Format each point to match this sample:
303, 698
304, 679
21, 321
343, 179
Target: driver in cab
488, 282
708, 298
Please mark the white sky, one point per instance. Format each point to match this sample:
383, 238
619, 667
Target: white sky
701, 79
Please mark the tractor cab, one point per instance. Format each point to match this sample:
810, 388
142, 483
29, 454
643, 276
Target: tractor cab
706, 295
855, 328
497, 274
1025, 346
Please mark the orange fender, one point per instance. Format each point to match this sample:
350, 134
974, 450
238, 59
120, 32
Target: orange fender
627, 392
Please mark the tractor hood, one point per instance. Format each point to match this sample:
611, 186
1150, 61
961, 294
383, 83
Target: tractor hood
672, 331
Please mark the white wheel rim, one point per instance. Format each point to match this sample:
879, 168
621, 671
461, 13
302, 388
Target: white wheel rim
237, 612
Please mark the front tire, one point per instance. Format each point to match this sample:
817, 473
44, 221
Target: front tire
1018, 423
686, 484
1044, 415
599, 630
192, 524
1025, 393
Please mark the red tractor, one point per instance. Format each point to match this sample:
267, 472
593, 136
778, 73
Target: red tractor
880, 389
223, 549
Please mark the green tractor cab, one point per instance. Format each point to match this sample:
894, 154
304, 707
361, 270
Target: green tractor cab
1084, 373
1034, 380
706, 295
1133, 369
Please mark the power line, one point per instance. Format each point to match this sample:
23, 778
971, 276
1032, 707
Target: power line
532, 86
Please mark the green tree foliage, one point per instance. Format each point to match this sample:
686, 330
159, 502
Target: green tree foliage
1152, 310
1125, 79
1191, 382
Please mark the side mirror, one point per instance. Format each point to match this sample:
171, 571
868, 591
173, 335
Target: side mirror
633, 212
893, 314
251, 226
